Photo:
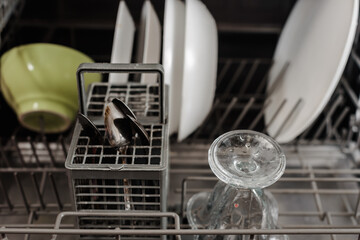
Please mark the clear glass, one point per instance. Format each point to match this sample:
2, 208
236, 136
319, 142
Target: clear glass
245, 162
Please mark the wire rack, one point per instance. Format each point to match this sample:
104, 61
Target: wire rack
318, 195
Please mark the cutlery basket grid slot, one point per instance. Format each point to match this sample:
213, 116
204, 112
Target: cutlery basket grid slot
143, 99
102, 176
90, 155
111, 194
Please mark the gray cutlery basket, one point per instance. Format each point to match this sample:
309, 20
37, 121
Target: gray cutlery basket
104, 179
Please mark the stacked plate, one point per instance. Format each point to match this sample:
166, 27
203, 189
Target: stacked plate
148, 45
308, 62
189, 57
309, 59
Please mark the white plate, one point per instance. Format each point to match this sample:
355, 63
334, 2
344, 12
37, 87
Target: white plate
123, 42
149, 43
173, 57
316, 42
200, 66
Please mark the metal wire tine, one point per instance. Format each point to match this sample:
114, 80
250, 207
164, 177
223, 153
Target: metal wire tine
350, 92
63, 145
235, 77
43, 182
356, 58
260, 114
219, 124
3, 154
288, 117
52, 180
329, 113
37, 190
22, 192
30, 221
183, 194
33, 149
330, 222
349, 208
337, 123
46, 143
349, 137
18, 151
352, 128
6, 196
316, 194
357, 207
278, 79
249, 76
282, 104
224, 70
263, 81
200, 129
243, 113
118, 237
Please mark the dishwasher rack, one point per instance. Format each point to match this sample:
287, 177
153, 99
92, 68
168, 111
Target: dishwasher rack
318, 195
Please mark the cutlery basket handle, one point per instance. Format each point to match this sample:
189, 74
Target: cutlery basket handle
119, 68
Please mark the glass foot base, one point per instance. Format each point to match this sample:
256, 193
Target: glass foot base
198, 217
195, 210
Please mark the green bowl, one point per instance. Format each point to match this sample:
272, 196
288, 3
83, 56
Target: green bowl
39, 82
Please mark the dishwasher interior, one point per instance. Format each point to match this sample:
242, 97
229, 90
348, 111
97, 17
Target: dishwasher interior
318, 195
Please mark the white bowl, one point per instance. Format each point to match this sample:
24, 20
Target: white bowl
173, 57
316, 41
200, 66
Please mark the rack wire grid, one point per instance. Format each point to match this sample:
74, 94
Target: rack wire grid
318, 195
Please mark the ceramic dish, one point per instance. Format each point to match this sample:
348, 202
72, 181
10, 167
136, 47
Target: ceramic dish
123, 42
173, 57
149, 42
315, 42
39, 82
200, 66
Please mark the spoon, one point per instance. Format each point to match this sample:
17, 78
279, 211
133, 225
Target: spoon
90, 129
120, 126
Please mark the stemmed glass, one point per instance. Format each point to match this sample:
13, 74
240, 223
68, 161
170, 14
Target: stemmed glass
245, 162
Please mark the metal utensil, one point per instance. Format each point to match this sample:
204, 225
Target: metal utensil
90, 129
120, 126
